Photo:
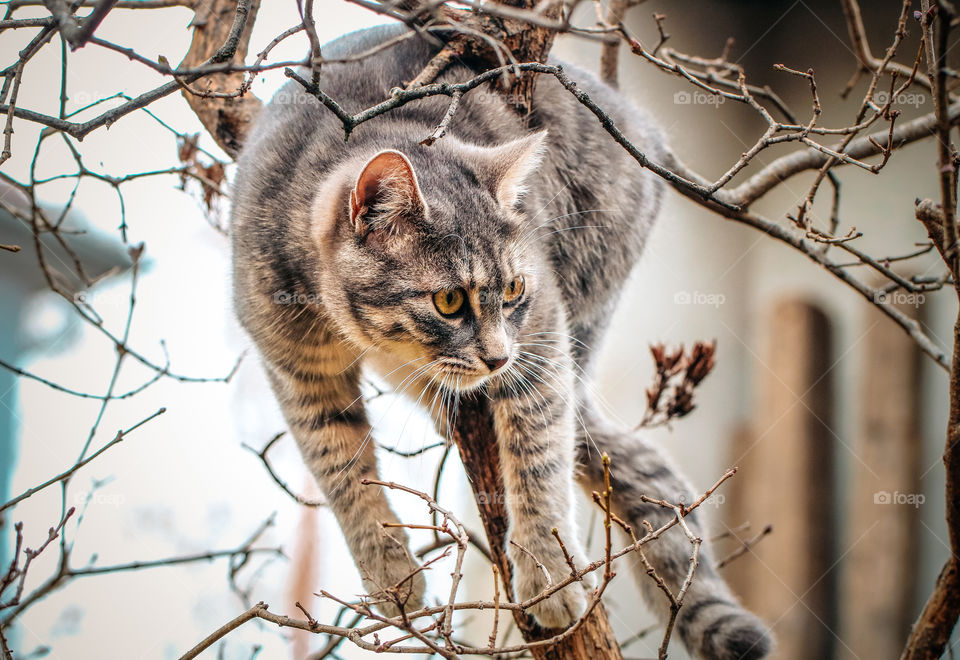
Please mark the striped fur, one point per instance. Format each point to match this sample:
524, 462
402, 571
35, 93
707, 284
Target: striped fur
340, 247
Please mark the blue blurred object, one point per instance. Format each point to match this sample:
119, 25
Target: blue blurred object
22, 286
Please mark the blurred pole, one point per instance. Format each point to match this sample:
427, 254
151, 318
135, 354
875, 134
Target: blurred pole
880, 569
787, 478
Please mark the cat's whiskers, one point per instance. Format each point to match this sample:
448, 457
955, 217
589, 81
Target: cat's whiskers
357, 359
596, 396
426, 388
559, 334
398, 390
445, 404
560, 391
536, 396
437, 391
550, 201
423, 391
408, 362
360, 396
562, 351
555, 218
437, 395
524, 240
572, 366
529, 368
400, 387
559, 231
412, 379
588, 386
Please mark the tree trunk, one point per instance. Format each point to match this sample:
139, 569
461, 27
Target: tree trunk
226, 119
475, 438
931, 632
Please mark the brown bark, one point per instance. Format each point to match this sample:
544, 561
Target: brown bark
525, 42
226, 119
931, 632
610, 50
475, 438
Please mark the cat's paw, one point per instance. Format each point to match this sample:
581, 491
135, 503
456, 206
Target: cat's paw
394, 582
561, 608
406, 593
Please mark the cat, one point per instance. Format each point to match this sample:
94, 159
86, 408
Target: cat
490, 260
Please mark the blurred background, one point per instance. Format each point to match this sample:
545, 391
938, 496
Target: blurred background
834, 418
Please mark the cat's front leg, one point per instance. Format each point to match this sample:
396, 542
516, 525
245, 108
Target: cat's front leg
534, 420
322, 403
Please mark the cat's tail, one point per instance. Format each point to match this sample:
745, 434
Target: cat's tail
711, 623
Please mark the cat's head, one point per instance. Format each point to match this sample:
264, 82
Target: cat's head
434, 263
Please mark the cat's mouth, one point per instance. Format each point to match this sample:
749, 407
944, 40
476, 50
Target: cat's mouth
463, 377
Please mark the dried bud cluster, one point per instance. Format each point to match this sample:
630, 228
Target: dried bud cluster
677, 375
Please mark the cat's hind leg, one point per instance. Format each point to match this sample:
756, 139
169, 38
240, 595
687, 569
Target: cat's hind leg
711, 623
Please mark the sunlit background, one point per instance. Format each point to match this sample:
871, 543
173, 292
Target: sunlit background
184, 483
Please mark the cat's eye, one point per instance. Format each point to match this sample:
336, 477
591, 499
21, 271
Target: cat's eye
449, 301
514, 290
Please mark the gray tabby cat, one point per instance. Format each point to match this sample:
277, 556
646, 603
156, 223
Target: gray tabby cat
490, 260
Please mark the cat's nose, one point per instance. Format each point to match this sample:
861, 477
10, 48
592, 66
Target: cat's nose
495, 363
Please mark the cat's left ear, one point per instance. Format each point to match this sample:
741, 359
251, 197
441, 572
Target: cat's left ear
509, 166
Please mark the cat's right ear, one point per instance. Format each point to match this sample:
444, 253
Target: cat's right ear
508, 167
386, 195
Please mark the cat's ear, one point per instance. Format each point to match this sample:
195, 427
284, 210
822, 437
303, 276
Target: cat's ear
510, 165
386, 195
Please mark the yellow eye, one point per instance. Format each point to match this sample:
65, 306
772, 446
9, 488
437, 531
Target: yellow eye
449, 301
514, 290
